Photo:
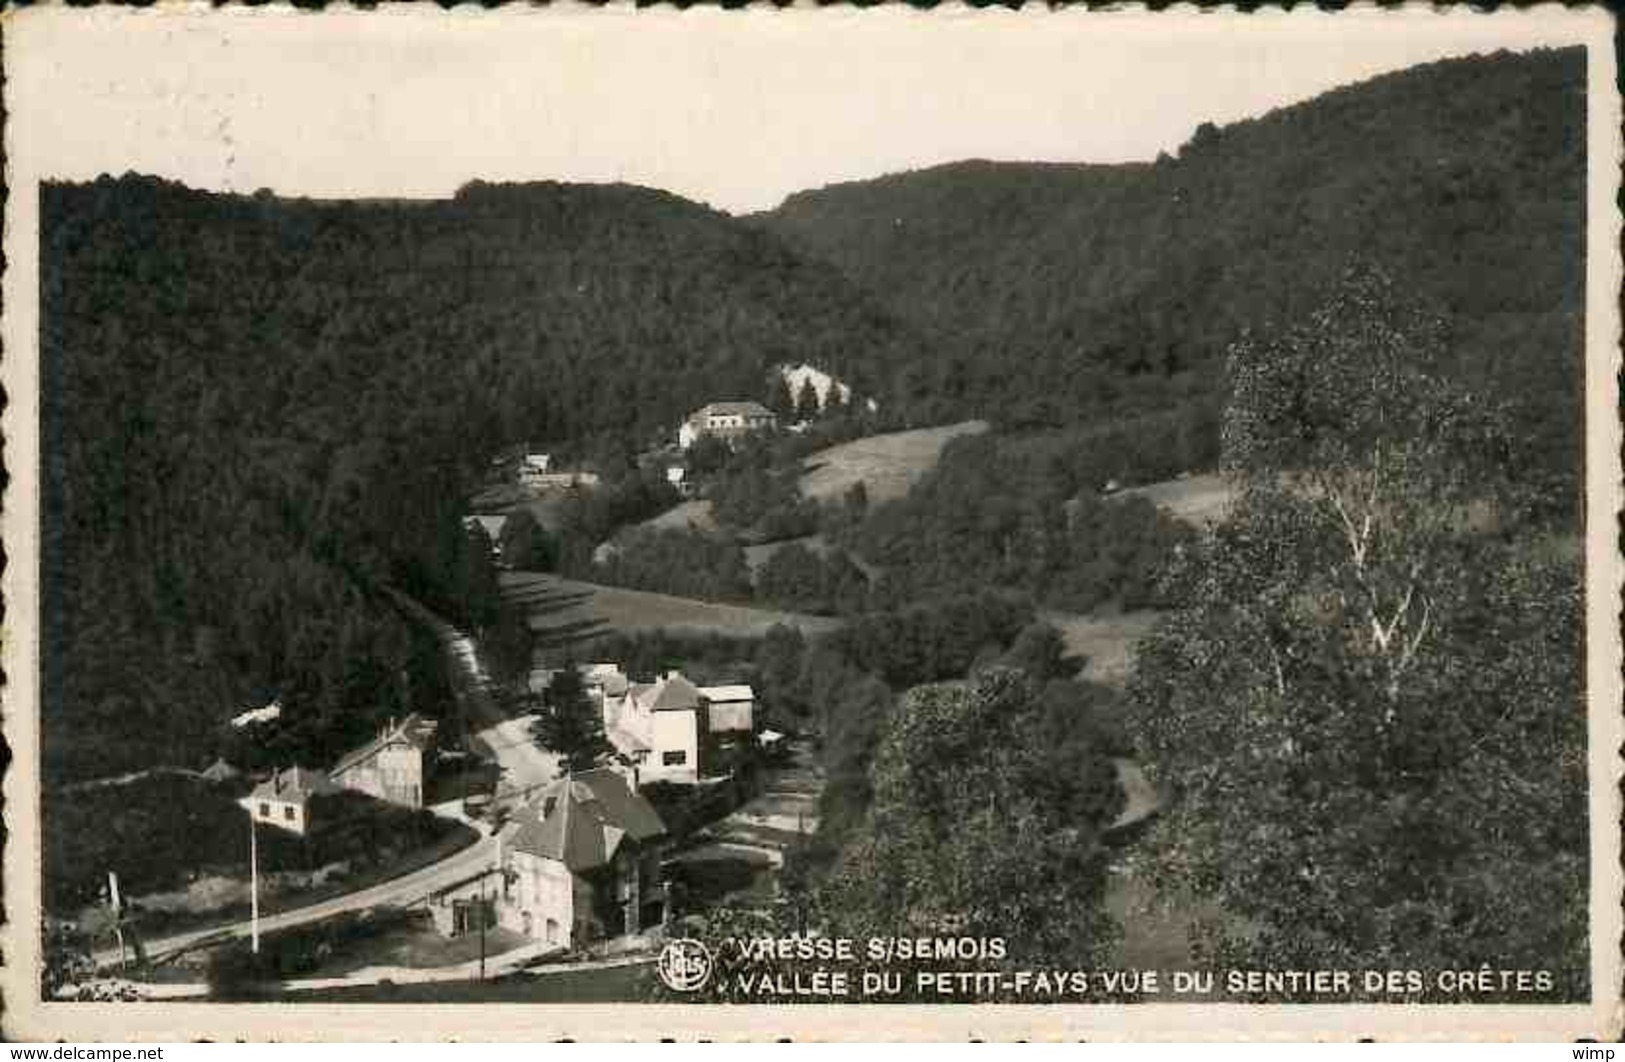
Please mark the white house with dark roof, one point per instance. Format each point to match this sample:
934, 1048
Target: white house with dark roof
393, 766
667, 729
657, 726
283, 800
580, 861
725, 420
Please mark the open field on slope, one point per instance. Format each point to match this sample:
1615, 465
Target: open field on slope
564, 610
696, 513
887, 465
1105, 641
1199, 500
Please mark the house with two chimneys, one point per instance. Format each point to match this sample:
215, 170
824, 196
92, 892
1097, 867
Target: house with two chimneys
725, 420
579, 862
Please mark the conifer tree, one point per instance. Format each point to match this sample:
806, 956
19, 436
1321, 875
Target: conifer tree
807, 404
779, 399
571, 726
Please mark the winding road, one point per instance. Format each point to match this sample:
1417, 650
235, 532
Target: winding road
523, 765
406, 889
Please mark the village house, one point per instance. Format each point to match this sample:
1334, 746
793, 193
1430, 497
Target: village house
491, 523
269, 713
579, 862
283, 800
732, 708
394, 766
543, 482
670, 730
725, 420
220, 772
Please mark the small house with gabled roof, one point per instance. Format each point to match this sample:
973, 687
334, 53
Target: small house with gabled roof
395, 765
220, 772
283, 800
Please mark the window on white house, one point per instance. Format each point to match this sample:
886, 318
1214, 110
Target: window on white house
287, 812
265, 811
674, 759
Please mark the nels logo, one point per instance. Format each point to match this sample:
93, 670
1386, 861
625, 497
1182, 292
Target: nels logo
685, 965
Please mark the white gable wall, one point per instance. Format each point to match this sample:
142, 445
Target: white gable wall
675, 736
284, 814
541, 900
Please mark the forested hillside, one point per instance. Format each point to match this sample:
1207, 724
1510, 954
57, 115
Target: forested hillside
258, 411
1057, 293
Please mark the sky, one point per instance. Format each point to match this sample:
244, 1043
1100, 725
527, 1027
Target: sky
734, 109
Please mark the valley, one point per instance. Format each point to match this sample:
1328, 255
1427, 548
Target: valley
855, 566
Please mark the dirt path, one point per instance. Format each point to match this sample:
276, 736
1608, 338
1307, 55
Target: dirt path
128, 779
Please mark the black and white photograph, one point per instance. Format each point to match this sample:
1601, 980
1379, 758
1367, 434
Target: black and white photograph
865, 516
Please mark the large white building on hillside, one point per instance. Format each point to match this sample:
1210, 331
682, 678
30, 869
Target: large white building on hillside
725, 420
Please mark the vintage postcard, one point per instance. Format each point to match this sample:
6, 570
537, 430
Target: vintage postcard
813, 523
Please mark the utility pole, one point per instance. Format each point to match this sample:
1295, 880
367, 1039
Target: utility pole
480, 911
116, 905
254, 885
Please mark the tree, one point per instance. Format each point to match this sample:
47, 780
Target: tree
846, 587
526, 544
778, 665
793, 577
571, 726
1369, 707
807, 404
1040, 651
709, 454
978, 828
778, 397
